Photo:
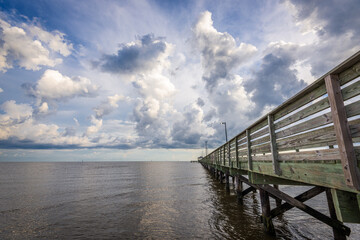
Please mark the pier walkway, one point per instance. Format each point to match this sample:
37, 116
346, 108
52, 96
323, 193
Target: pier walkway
311, 139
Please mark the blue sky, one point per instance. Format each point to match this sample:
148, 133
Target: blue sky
152, 80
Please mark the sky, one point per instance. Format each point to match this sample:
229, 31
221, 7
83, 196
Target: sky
153, 80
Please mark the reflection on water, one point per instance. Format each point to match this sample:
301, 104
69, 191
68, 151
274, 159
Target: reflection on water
137, 200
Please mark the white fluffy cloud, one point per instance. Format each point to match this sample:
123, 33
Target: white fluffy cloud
30, 46
54, 86
108, 106
219, 51
220, 57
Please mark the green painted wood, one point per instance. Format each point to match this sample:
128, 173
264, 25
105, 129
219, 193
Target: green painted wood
346, 206
342, 130
326, 175
273, 145
249, 150
256, 178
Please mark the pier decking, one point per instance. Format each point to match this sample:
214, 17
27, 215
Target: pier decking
311, 139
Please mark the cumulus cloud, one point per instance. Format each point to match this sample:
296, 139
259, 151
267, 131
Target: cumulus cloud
108, 106
55, 40
220, 57
15, 113
189, 128
143, 54
145, 63
54, 86
275, 80
219, 51
1, 90
20, 129
30, 46
336, 26
97, 124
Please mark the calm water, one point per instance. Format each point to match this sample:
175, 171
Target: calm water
136, 200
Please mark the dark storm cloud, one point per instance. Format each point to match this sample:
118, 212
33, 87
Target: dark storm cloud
336, 23
274, 82
133, 57
337, 16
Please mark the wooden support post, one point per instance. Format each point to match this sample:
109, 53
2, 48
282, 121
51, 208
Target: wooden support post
342, 131
237, 152
316, 214
265, 207
337, 234
224, 155
277, 200
221, 177
227, 181
250, 165
229, 157
239, 189
274, 152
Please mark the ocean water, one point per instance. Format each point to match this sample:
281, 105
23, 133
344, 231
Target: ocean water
138, 200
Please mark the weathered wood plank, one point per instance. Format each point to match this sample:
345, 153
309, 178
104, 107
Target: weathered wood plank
262, 157
342, 130
302, 198
348, 92
237, 152
273, 147
349, 74
258, 126
304, 126
308, 97
265, 209
351, 90
346, 206
326, 175
317, 138
264, 148
260, 133
313, 155
249, 150
337, 234
256, 178
298, 204
353, 109
306, 112
260, 140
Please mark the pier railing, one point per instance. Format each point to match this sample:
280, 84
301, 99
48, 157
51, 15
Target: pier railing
311, 139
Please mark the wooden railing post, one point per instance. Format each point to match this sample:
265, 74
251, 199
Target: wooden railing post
237, 152
229, 157
274, 152
342, 131
250, 165
224, 156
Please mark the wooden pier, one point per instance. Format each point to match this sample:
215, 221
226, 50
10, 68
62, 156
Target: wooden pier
311, 139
